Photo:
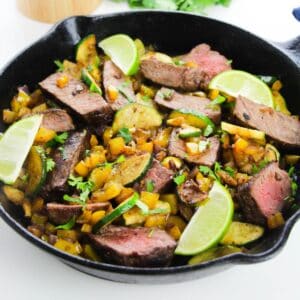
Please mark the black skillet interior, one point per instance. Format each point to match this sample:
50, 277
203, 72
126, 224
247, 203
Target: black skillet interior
173, 33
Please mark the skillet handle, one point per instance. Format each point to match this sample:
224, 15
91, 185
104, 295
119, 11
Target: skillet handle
292, 49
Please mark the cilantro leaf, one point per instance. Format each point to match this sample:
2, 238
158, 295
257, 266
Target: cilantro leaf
230, 171
206, 171
58, 139
50, 164
125, 134
179, 179
149, 186
67, 226
59, 64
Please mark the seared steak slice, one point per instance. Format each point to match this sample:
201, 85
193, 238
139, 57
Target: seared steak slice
135, 247
278, 126
57, 119
167, 74
190, 193
160, 176
210, 62
115, 79
208, 157
75, 96
173, 100
65, 159
61, 213
263, 195
185, 210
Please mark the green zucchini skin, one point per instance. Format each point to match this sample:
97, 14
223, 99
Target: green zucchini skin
133, 169
36, 165
90, 81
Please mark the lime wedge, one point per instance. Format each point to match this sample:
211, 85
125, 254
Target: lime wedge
117, 212
15, 145
235, 83
123, 52
209, 224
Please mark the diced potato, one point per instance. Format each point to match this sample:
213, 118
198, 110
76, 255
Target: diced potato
150, 199
70, 234
116, 146
279, 103
95, 158
23, 112
19, 101
26, 205
147, 91
134, 217
44, 135
213, 94
62, 81
112, 93
156, 221
292, 159
162, 138
50, 228
72, 69
35, 230
14, 195
99, 176
66, 246
93, 140
147, 147
192, 148
9, 116
277, 85
90, 253
97, 216
176, 221
275, 221
174, 232
111, 190
125, 194
163, 206
39, 219
40, 108
82, 169
87, 228
107, 135
85, 217
240, 145
176, 122
172, 200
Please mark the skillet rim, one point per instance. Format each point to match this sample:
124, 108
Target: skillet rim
233, 258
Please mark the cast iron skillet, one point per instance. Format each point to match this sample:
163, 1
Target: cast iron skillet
173, 33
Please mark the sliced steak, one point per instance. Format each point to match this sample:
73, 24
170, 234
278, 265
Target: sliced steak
208, 157
173, 100
210, 62
75, 96
61, 213
190, 193
160, 176
57, 119
278, 126
65, 160
135, 247
264, 194
115, 79
167, 74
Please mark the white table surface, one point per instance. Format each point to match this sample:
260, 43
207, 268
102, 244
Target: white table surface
29, 273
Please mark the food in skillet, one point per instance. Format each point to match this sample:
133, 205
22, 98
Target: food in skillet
133, 157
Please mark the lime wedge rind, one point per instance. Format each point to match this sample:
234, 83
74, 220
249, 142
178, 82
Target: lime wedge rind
240, 83
209, 224
123, 52
15, 145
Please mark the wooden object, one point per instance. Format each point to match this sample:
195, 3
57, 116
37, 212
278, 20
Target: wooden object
51, 11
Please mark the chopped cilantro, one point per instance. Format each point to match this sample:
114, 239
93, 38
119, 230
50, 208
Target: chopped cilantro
178, 62
179, 179
149, 186
230, 171
50, 164
67, 226
206, 171
261, 165
125, 134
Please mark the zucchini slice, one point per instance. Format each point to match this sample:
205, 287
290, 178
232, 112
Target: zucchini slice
213, 253
189, 132
90, 81
240, 234
243, 132
272, 154
194, 119
132, 169
136, 115
117, 212
86, 55
72, 69
37, 170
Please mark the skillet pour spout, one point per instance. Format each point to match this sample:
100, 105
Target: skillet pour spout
173, 33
